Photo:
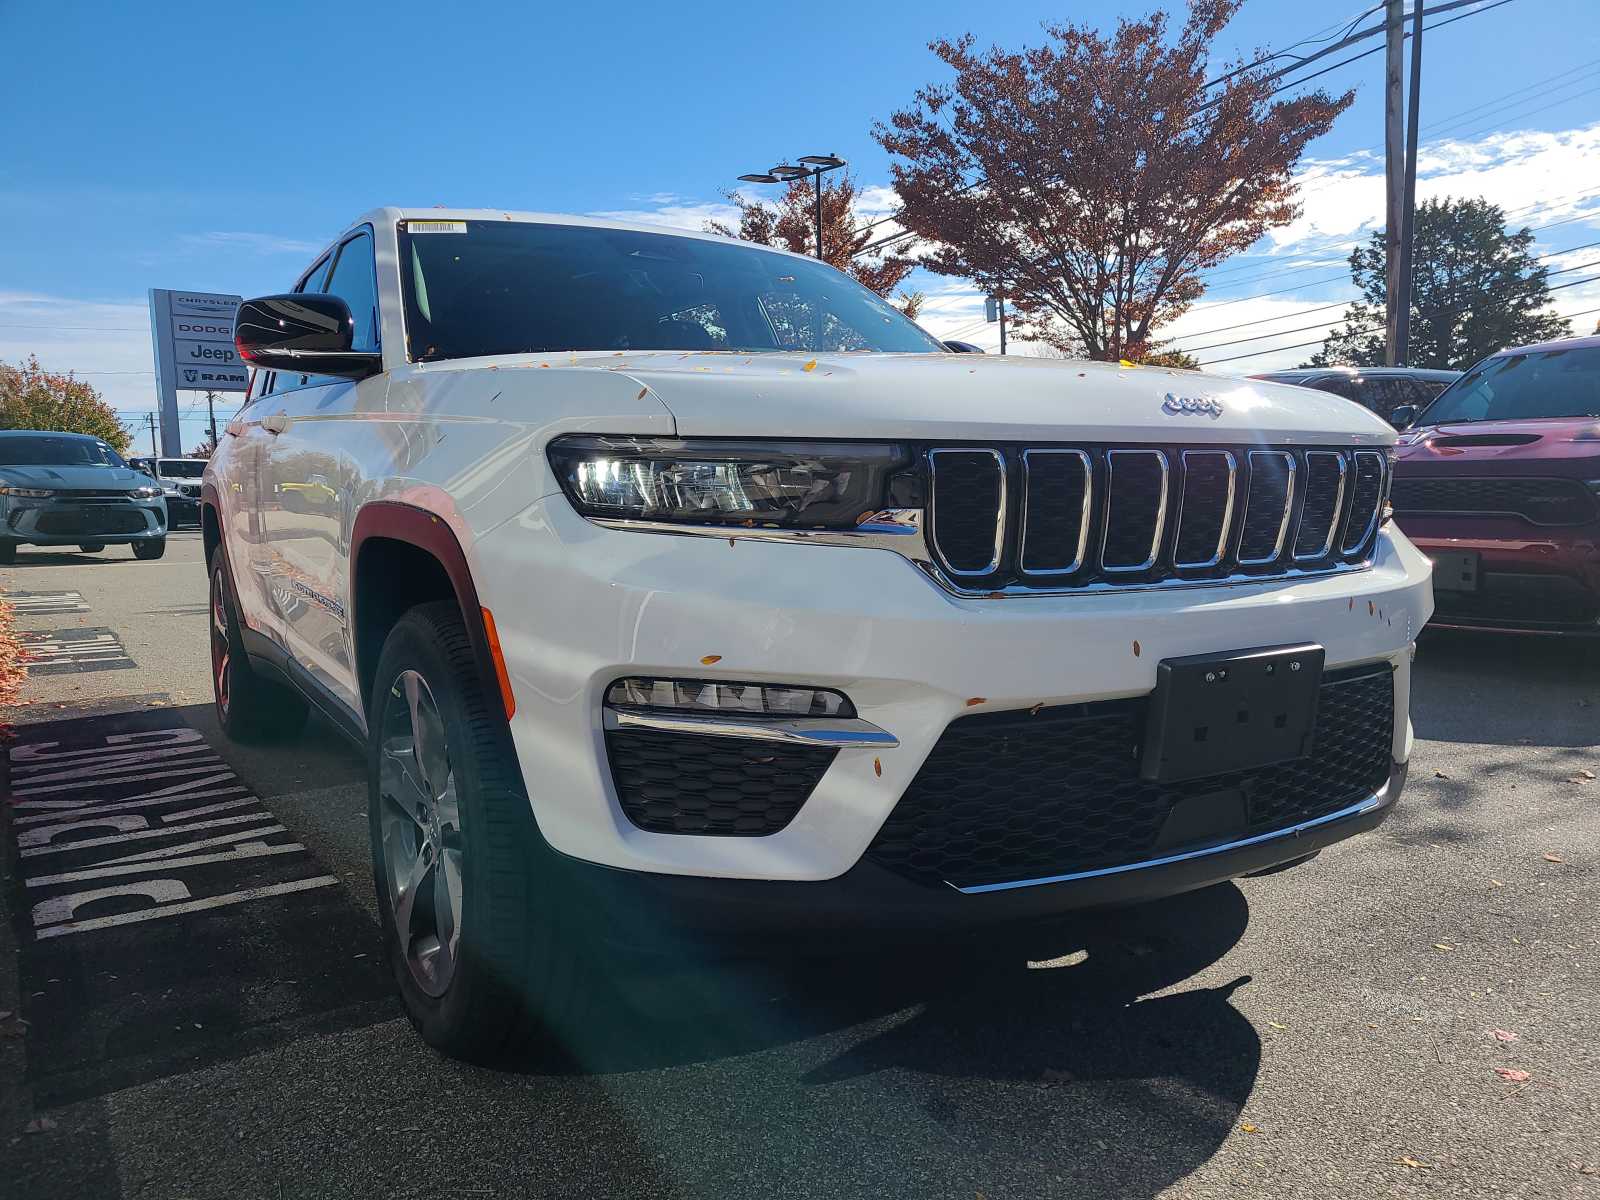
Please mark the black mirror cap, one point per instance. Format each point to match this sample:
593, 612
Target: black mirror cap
962, 348
308, 332
1403, 416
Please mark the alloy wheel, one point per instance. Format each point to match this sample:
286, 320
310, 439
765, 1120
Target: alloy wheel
221, 657
420, 829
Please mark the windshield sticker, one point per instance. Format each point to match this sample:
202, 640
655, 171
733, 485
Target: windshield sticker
436, 226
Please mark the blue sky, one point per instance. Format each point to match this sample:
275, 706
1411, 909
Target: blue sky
215, 146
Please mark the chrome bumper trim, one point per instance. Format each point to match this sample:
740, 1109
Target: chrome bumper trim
837, 733
1374, 801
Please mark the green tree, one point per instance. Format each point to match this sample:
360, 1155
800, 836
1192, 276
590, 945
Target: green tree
33, 398
1475, 289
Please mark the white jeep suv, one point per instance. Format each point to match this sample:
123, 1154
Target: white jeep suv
682, 587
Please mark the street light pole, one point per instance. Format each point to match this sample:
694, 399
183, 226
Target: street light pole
817, 165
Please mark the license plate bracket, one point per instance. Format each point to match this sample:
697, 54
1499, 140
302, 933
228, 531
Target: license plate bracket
1212, 714
1455, 570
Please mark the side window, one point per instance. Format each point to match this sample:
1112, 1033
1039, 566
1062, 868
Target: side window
1340, 385
354, 280
311, 281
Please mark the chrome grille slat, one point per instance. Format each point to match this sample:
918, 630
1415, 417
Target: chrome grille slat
1120, 521
1195, 512
1366, 502
959, 547
1319, 515
1259, 494
1056, 472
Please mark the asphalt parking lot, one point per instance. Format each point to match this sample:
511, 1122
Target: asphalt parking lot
1414, 1013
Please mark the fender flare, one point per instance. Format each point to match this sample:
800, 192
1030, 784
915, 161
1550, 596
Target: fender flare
396, 521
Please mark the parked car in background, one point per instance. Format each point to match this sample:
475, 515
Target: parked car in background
69, 489
1498, 482
684, 592
180, 485
1378, 389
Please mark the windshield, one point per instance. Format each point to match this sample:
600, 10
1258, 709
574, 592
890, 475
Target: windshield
513, 287
41, 450
182, 468
1513, 387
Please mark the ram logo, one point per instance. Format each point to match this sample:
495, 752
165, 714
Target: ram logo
1201, 406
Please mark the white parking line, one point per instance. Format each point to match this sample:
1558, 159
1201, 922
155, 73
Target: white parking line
187, 906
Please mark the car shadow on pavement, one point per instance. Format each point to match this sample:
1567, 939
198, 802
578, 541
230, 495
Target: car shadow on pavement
1506, 689
1076, 1069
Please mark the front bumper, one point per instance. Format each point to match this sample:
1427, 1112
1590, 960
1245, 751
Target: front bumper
1530, 579
648, 911
66, 521
578, 606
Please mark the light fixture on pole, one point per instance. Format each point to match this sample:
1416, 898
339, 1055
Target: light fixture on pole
817, 165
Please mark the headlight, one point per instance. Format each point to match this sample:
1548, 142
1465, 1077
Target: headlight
145, 493
805, 485
31, 493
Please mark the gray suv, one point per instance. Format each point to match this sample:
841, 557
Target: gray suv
1380, 389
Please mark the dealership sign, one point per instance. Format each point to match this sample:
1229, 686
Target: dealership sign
193, 337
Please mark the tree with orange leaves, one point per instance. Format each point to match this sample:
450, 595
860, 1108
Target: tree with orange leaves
1091, 179
791, 224
33, 398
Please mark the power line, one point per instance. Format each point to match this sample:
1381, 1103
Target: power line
1302, 312
1376, 329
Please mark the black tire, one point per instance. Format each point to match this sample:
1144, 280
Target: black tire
516, 982
154, 548
8, 553
249, 707
91, 547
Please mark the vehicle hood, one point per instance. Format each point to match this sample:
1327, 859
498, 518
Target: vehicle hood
1547, 446
75, 479
945, 397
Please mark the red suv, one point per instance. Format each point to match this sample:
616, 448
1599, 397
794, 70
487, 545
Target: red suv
1498, 481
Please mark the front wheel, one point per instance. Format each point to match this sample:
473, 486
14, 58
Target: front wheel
473, 927
154, 548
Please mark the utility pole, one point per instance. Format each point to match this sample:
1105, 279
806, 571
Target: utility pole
150, 420
211, 409
1002, 324
1393, 173
1408, 217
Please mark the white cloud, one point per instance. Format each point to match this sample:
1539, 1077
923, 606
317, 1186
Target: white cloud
675, 212
253, 243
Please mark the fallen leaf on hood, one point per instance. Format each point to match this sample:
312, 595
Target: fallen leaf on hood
1512, 1075
1502, 1035
977, 700
877, 767
1136, 649
810, 366
709, 659
643, 392
1555, 858
1034, 711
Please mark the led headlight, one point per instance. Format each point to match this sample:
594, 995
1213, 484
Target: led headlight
1386, 508
31, 493
145, 493
805, 485
735, 699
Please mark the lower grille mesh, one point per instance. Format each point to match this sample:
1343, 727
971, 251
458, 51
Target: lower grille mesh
693, 783
1010, 796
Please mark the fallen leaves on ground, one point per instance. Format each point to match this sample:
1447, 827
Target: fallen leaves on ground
1502, 1035
1553, 857
1512, 1075
1408, 1161
1495, 883
1442, 946
1249, 1128
39, 1125
1440, 775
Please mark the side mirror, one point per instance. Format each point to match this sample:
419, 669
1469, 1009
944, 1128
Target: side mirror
963, 348
305, 332
1402, 417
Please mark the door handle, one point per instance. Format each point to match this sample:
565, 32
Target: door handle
276, 423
